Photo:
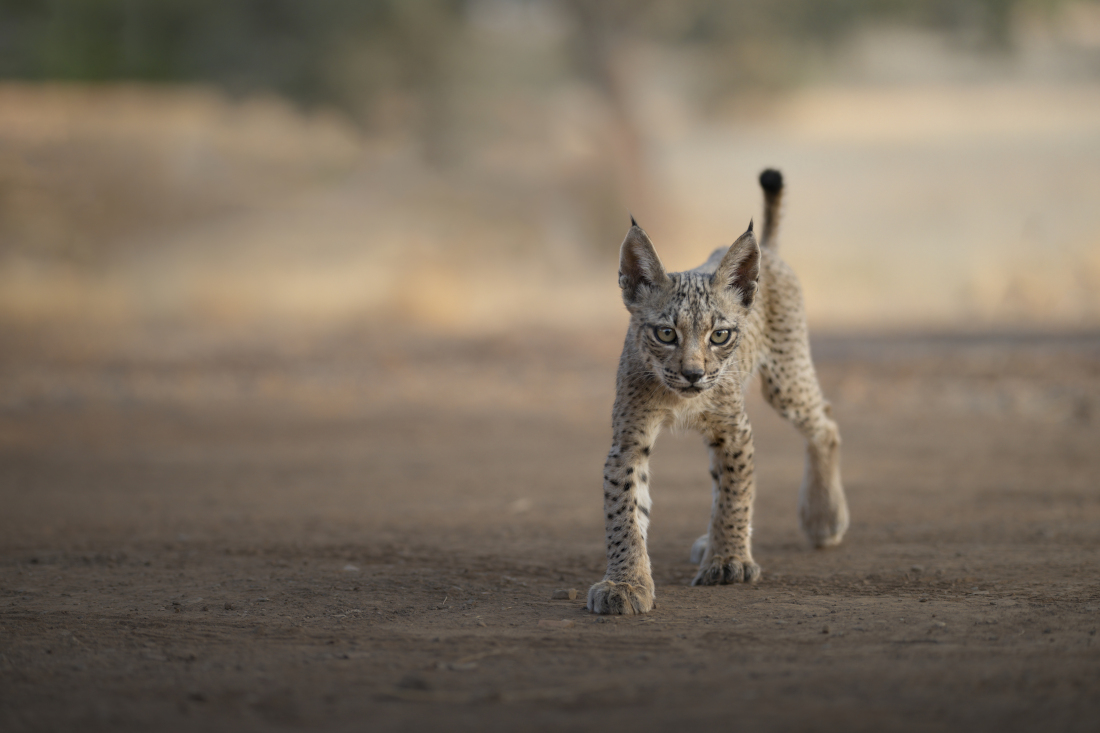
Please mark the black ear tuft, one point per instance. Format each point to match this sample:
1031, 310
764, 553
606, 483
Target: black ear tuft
771, 180
739, 269
640, 269
632, 222
750, 225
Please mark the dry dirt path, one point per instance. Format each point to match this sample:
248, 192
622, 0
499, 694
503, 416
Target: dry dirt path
296, 532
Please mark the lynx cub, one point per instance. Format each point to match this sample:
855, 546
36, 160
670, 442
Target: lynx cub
695, 340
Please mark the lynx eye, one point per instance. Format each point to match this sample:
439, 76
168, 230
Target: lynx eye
720, 337
665, 334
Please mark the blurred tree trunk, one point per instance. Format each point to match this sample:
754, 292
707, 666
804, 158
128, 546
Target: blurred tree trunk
599, 51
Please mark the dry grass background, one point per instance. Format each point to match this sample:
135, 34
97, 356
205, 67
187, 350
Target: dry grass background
922, 206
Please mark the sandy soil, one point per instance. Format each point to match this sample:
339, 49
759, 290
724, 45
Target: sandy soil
206, 532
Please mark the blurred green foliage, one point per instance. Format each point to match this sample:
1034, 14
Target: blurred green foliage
343, 51
291, 46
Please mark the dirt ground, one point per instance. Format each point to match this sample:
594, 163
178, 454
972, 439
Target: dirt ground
299, 530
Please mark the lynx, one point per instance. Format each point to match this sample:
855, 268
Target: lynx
694, 341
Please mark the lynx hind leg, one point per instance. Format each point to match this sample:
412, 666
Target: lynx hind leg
822, 506
698, 549
791, 387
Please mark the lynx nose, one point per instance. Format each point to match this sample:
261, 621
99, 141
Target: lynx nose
692, 375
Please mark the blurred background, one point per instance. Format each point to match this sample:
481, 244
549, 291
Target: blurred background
309, 308
468, 165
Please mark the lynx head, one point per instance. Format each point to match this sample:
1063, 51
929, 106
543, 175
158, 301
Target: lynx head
688, 324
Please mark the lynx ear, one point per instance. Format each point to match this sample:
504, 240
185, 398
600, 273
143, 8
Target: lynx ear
740, 269
639, 265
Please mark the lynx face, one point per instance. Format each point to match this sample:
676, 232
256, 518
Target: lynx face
688, 339
688, 324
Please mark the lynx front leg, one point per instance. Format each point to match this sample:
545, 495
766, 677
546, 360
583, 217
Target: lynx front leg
627, 587
727, 557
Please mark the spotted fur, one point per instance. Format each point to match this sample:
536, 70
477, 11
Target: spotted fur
697, 380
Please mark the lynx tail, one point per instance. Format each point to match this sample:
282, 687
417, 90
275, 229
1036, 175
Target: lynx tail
771, 181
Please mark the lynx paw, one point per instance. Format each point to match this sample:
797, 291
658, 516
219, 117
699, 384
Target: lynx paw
722, 570
824, 519
627, 599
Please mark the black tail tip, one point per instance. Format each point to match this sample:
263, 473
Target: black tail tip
771, 180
